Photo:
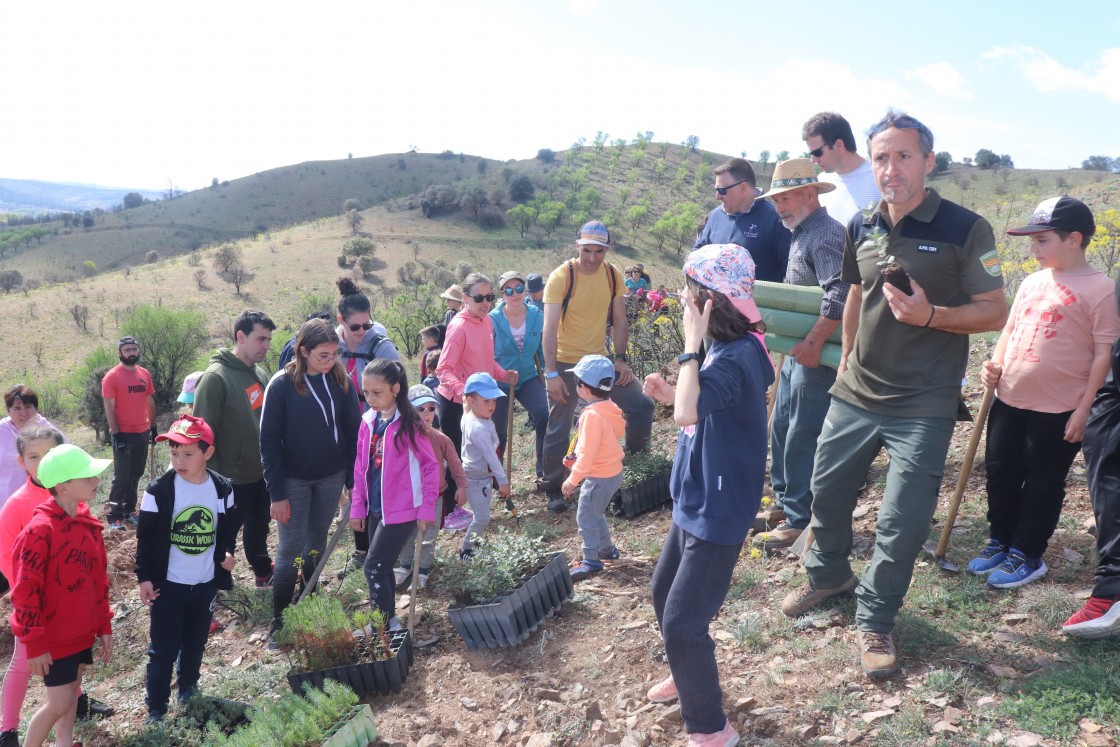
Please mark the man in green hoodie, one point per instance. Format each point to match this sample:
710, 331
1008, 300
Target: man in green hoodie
229, 397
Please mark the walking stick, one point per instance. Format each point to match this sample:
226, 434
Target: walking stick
338, 532
509, 458
962, 482
419, 548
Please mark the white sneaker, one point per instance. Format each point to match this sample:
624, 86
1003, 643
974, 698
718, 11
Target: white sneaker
422, 581
400, 575
395, 624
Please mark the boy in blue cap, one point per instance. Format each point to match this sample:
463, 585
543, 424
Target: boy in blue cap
480, 453
597, 462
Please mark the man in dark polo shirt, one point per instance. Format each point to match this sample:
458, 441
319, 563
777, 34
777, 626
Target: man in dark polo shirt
899, 380
747, 221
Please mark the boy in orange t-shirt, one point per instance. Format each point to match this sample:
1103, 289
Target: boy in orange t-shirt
1050, 360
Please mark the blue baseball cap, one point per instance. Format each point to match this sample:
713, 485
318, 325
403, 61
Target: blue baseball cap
595, 371
483, 384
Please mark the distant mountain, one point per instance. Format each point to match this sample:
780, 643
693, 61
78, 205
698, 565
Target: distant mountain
30, 196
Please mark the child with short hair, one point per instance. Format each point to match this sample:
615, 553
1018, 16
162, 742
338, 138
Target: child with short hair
1100, 616
431, 362
396, 479
60, 601
184, 555
598, 462
1050, 360
431, 338
480, 454
424, 401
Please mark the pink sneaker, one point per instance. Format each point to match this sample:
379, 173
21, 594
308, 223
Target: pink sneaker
725, 737
458, 519
663, 692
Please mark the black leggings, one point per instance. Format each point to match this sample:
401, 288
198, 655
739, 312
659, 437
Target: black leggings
386, 543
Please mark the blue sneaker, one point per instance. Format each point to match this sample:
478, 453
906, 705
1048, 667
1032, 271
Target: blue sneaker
1017, 570
584, 569
610, 553
988, 560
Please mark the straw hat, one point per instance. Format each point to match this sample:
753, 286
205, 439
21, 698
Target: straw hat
454, 293
794, 174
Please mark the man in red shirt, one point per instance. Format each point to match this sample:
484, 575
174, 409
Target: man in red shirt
130, 407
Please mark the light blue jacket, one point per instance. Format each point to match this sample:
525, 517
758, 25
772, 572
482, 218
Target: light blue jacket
506, 352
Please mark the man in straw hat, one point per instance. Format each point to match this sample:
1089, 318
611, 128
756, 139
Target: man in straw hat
815, 256
744, 220
899, 383
832, 147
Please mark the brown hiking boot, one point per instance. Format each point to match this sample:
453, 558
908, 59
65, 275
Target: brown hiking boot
768, 519
778, 538
877, 654
801, 600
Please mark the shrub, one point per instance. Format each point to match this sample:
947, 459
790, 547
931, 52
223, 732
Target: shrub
343, 260
358, 247
151, 257
170, 343
367, 265
521, 188
501, 562
491, 219
546, 155
642, 465
92, 410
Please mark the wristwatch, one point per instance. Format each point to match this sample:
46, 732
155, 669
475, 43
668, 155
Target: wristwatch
552, 375
622, 357
683, 359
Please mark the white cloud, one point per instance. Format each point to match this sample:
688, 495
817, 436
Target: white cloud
943, 78
1048, 75
586, 8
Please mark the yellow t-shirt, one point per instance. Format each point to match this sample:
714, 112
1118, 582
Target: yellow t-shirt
583, 330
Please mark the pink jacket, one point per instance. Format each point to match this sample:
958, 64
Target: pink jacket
14, 516
468, 348
410, 475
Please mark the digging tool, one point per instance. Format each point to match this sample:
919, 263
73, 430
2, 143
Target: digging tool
772, 395
509, 459
802, 544
338, 532
938, 553
419, 548
152, 461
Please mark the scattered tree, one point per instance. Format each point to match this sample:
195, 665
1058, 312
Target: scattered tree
351, 203
10, 280
200, 278
225, 257
691, 142
237, 275
943, 159
172, 340
764, 157
1100, 163
354, 220
521, 188
546, 155
358, 247
986, 159
783, 155
151, 257
132, 200
80, 313
412, 309
522, 217
473, 199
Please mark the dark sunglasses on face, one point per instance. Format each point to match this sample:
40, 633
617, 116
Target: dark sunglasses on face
426, 408
722, 191
817, 152
479, 298
514, 289
355, 327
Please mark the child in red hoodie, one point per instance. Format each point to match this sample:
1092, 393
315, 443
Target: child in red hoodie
60, 599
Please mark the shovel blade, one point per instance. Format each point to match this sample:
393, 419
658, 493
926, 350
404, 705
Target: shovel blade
930, 548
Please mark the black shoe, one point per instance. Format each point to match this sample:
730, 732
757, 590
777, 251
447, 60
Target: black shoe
556, 502
88, 708
9, 738
154, 717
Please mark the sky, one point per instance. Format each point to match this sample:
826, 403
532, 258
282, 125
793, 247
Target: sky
150, 94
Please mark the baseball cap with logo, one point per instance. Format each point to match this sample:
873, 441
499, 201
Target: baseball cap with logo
594, 232
1062, 213
729, 269
595, 371
69, 462
188, 430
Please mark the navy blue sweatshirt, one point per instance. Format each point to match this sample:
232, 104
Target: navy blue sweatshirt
720, 462
307, 437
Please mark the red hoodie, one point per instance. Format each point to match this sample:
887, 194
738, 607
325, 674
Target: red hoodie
60, 597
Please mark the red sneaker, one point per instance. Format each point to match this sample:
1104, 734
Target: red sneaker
1099, 618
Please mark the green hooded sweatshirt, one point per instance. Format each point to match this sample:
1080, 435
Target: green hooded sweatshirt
229, 398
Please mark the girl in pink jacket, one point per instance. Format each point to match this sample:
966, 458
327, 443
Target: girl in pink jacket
396, 478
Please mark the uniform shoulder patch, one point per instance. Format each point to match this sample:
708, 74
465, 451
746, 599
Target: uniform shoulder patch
991, 264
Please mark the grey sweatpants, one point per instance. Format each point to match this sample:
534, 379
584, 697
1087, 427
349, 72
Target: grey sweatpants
478, 496
594, 496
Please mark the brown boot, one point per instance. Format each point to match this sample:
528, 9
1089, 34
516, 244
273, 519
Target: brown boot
801, 600
778, 538
877, 654
768, 519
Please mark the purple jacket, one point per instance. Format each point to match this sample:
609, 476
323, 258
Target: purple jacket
409, 475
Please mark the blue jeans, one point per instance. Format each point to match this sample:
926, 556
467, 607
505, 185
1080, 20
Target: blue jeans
594, 496
803, 400
180, 623
689, 585
533, 397
850, 440
314, 504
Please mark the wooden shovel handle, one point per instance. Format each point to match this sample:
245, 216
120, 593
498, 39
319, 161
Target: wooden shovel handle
966, 468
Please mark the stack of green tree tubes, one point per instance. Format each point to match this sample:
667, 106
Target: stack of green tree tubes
789, 312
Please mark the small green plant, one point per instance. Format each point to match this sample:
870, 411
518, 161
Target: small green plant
904, 729
642, 465
319, 634
1052, 703
750, 631
501, 562
1049, 603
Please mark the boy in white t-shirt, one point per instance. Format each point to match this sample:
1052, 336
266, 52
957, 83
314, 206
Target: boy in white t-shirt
1050, 360
184, 554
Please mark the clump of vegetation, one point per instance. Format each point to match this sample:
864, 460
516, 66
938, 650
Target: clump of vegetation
1053, 703
642, 465
501, 562
319, 634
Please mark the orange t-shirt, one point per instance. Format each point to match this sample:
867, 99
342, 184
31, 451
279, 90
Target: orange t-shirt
131, 390
1055, 321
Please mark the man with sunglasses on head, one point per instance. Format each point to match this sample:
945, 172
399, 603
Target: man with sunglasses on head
229, 397
899, 381
832, 147
579, 298
745, 220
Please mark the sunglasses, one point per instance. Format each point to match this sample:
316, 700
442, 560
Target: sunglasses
355, 327
818, 152
513, 290
479, 298
722, 191
426, 408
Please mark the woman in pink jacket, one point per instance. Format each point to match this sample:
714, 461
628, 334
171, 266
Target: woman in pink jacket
467, 349
396, 478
